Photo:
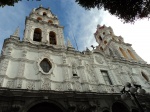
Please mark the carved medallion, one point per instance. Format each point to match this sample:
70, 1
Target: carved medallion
31, 85
99, 60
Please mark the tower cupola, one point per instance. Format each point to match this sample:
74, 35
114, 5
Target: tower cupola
42, 27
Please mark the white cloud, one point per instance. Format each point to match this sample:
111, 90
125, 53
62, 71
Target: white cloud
83, 24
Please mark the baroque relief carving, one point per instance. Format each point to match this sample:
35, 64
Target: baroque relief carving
19, 83
1, 81
21, 69
59, 87
24, 53
94, 88
69, 86
10, 84
66, 74
4, 65
30, 85
64, 59
46, 84
91, 74
9, 51
99, 59
77, 86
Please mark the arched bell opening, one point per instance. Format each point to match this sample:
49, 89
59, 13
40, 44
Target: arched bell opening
44, 14
52, 38
50, 21
37, 36
38, 18
123, 53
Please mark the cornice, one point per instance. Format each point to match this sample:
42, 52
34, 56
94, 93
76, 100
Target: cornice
52, 18
129, 62
44, 22
18, 59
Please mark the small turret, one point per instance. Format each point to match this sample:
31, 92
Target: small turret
69, 43
16, 34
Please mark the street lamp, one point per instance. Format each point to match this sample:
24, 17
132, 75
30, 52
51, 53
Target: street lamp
131, 91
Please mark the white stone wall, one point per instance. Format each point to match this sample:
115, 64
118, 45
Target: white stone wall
20, 64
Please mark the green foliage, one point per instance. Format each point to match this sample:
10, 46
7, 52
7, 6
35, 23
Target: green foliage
127, 10
7, 2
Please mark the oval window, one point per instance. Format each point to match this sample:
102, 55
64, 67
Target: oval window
45, 65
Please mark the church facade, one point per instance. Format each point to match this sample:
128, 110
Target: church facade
42, 73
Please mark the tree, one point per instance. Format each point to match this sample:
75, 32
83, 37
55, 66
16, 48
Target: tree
7, 2
127, 10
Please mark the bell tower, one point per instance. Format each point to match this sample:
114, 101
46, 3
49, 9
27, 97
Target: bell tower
42, 27
114, 46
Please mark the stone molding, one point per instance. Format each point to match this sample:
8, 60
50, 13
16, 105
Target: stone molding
45, 56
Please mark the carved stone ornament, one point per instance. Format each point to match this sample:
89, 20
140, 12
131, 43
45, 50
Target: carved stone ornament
31, 85
74, 69
77, 86
91, 74
59, 87
99, 60
19, 83
10, 84
1, 81
69, 86
51, 62
46, 84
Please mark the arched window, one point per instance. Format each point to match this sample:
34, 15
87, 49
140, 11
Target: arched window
101, 49
123, 52
45, 65
145, 76
44, 13
37, 36
131, 54
49, 21
105, 42
52, 38
100, 38
39, 18
106, 77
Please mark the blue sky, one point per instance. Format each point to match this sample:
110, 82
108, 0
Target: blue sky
78, 22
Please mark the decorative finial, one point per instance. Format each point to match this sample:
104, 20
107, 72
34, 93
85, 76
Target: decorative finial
87, 49
40, 5
48, 8
16, 33
92, 46
98, 26
69, 43
33, 10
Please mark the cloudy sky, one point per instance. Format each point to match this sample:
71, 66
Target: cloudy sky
78, 23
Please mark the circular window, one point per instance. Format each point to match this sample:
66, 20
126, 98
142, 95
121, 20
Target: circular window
45, 65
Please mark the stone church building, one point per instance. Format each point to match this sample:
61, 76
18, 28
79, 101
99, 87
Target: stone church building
43, 74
